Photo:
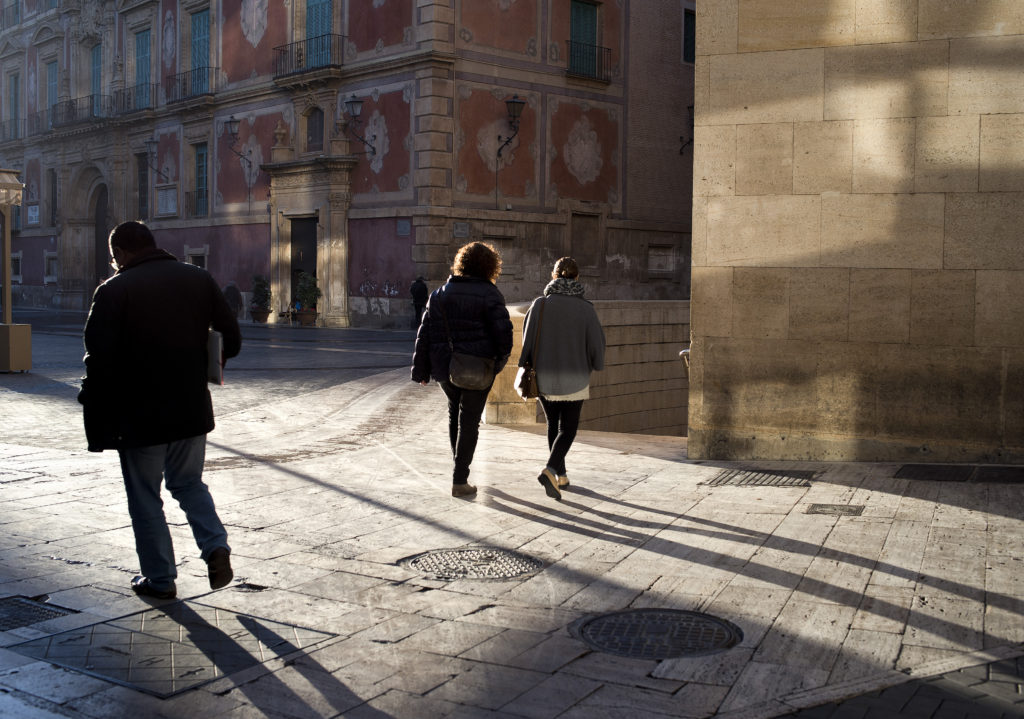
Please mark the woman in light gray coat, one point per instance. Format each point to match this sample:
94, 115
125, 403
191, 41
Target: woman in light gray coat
570, 346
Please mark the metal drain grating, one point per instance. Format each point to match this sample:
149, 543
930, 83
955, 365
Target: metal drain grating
473, 563
836, 510
762, 478
657, 633
18, 612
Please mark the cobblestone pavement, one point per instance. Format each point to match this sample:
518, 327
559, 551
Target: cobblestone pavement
857, 594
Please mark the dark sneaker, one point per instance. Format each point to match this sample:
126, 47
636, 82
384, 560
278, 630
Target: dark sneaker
463, 490
142, 587
219, 566
548, 479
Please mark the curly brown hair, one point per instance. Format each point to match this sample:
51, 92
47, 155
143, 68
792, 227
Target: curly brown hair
565, 267
477, 259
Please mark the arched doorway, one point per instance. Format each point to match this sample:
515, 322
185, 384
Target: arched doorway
101, 230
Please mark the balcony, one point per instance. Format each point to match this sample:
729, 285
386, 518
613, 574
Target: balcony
589, 61
135, 99
197, 203
194, 83
11, 130
326, 51
81, 109
38, 123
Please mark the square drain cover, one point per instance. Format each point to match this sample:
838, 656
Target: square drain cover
16, 612
762, 478
836, 510
169, 649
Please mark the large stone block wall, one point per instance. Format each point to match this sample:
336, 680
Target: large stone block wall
858, 279
643, 387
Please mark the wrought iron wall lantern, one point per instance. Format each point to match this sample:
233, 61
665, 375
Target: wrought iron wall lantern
231, 125
514, 108
353, 111
152, 144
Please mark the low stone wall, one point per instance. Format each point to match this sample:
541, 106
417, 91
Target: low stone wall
643, 387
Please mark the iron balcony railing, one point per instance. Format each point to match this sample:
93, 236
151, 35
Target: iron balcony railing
310, 54
11, 130
194, 83
590, 61
133, 99
197, 203
38, 122
80, 109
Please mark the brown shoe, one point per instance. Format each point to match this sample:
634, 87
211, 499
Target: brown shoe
563, 481
463, 490
142, 587
218, 566
548, 479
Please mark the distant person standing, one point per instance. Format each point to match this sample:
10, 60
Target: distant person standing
145, 395
570, 345
419, 292
467, 314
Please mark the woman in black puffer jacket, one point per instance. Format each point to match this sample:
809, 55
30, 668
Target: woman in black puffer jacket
472, 310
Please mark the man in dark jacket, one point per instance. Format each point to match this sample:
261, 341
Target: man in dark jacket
145, 395
419, 292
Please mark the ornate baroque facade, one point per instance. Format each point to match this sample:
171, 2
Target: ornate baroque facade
223, 124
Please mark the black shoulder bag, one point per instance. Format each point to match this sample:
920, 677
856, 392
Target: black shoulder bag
526, 377
465, 370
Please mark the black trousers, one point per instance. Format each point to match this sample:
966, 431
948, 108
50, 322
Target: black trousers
465, 408
563, 422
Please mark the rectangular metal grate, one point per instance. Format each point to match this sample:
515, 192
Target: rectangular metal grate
936, 472
836, 510
762, 478
170, 649
16, 612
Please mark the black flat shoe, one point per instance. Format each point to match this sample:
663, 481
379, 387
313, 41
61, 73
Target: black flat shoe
219, 568
142, 587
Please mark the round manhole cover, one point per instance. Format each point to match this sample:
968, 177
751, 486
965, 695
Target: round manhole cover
657, 633
473, 563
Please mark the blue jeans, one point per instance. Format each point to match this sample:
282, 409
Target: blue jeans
180, 464
465, 407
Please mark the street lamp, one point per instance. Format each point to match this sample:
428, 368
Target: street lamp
231, 125
514, 108
354, 107
15, 340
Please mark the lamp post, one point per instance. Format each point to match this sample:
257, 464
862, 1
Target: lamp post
354, 107
514, 108
15, 340
231, 125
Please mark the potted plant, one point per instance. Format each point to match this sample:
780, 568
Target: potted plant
306, 294
259, 307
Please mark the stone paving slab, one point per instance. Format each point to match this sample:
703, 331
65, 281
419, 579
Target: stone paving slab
329, 468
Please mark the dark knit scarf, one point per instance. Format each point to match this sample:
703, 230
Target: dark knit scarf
564, 286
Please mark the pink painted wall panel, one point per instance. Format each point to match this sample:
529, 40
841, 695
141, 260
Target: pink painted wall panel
250, 33
500, 24
372, 22
389, 118
482, 118
586, 160
380, 260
